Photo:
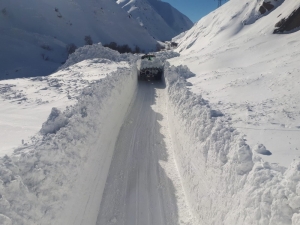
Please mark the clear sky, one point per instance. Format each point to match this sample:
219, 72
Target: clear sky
194, 9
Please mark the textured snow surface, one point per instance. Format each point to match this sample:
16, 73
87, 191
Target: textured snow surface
143, 185
232, 99
96, 51
26, 103
249, 73
49, 178
36, 181
224, 181
146, 63
60, 177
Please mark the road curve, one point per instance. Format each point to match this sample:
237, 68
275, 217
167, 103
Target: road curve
139, 189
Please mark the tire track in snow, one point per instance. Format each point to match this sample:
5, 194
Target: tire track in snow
138, 189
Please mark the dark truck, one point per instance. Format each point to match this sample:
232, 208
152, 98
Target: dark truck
150, 67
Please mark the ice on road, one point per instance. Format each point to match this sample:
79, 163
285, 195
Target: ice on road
140, 187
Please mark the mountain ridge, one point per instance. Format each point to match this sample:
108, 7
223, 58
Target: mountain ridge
171, 21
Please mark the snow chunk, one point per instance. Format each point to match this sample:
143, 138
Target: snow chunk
261, 149
151, 62
55, 121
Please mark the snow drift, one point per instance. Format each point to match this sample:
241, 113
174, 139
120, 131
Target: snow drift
53, 180
225, 183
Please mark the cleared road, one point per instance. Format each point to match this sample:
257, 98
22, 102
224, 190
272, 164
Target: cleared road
143, 186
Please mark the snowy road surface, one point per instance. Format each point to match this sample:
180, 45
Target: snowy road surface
139, 188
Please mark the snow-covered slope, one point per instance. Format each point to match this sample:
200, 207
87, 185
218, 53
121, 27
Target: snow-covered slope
249, 73
159, 18
41, 190
34, 33
25, 103
236, 119
177, 160
202, 141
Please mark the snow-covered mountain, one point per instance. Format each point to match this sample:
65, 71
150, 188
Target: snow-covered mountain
159, 18
34, 33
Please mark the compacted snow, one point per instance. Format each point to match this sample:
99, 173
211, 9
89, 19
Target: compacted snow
139, 187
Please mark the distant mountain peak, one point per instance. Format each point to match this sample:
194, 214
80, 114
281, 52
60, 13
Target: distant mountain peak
159, 18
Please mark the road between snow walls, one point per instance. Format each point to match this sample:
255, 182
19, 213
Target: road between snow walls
60, 178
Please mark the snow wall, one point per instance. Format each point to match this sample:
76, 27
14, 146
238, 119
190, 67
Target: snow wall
61, 177
223, 181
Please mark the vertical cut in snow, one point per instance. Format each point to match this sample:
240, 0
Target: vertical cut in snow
74, 153
224, 182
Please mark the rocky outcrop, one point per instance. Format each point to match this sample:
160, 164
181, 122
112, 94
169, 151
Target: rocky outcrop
266, 6
289, 23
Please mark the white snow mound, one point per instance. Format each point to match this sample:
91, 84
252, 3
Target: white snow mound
224, 181
46, 182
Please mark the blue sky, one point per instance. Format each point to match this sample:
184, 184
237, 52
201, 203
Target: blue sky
194, 9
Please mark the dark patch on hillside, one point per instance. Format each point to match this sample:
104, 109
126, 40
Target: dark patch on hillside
266, 6
290, 23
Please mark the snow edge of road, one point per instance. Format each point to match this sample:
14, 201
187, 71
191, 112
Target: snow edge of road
225, 181
37, 180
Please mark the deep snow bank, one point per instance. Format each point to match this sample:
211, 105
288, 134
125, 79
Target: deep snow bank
60, 178
27, 102
224, 182
96, 51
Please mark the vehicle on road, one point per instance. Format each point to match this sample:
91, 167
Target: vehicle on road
150, 67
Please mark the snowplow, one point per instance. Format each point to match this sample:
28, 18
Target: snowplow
149, 67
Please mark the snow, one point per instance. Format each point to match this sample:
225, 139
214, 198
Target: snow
34, 34
224, 180
215, 143
139, 187
247, 73
26, 103
159, 18
47, 177
152, 63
